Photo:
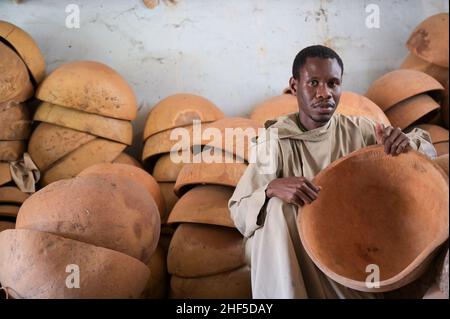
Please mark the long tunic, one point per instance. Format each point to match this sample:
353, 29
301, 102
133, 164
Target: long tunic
286, 150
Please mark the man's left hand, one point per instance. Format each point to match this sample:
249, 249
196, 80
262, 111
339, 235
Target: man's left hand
393, 139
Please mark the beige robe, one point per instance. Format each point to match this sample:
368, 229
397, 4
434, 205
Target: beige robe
280, 268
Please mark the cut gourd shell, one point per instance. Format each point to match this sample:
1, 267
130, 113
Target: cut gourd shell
205, 204
49, 143
235, 284
220, 173
180, 110
396, 196
398, 85
409, 111
38, 265
109, 128
94, 152
168, 141
26, 47
90, 87
110, 211
203, 250
429, 40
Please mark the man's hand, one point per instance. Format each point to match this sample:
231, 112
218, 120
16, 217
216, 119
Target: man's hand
393, 139
293, 190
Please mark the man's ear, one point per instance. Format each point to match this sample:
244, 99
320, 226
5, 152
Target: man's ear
293, 85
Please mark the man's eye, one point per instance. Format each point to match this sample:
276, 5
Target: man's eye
333, 84
314, 83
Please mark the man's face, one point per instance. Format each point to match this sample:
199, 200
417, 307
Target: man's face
318, 91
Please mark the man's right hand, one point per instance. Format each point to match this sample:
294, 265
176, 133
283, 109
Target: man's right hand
293, 190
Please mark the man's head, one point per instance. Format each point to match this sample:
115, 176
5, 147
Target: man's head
316, 81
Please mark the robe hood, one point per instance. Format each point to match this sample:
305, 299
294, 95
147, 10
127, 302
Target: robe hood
288, 126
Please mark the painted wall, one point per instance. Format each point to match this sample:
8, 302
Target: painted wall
234, 52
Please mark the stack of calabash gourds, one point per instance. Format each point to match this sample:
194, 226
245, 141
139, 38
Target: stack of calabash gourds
156, 287
206, 253
415, 93
175, 111
206, 256
101, 227
85, 113
22, 67
429, 52
407, 97
428, 48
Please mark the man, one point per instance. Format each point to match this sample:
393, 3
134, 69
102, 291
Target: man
265, 203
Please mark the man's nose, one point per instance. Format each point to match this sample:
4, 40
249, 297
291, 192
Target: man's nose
323, 92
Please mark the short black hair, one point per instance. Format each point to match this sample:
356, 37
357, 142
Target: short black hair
314, 51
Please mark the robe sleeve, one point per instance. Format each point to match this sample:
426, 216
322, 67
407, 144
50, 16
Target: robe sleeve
248, 203
419, 139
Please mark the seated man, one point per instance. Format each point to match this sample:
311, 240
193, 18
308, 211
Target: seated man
265, 203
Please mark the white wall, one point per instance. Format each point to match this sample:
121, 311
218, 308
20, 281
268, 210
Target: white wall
234, 52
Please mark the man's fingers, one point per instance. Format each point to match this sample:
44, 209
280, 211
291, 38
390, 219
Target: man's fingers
304, 198
403, 146
311, 193
296, 200
391, 143
312, 186
395, 148
305, 192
